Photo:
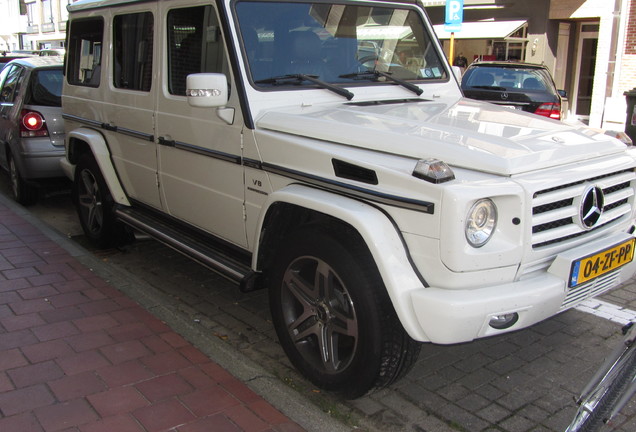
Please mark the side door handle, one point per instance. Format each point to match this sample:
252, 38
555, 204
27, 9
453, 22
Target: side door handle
166, 142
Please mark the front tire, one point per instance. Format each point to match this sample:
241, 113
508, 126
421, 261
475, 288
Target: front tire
95, 204
333, 316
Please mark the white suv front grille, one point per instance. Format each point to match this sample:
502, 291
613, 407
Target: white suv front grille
556, 211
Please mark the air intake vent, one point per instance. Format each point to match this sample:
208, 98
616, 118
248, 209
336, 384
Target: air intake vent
354, 172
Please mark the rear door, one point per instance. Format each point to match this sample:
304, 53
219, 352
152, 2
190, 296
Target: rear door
11, 79
199, 153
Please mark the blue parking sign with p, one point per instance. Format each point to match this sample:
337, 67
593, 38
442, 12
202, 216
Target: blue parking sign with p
454, 15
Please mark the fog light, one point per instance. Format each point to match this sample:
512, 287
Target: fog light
504, 321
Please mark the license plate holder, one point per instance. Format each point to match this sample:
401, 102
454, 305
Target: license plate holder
597, 264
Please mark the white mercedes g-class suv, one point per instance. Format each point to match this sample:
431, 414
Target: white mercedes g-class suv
324, 151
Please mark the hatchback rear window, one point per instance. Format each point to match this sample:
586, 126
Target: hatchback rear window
508, 78
46, 87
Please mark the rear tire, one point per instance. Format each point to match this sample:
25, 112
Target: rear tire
95, 205
333, 315
22, 192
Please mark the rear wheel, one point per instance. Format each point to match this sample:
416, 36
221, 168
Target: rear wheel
95, 205
22, 192
333, 316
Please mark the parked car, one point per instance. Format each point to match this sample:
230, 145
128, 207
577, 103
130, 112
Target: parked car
523, 86
31, 125
378, 206
7, 57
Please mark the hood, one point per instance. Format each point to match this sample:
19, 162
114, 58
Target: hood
463, 133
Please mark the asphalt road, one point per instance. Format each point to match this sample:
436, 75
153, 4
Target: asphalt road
523, 381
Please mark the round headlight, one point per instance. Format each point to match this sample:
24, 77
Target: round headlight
481, 222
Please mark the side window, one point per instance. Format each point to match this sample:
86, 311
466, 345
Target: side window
194, 45
133, 37
10, 84
85, 52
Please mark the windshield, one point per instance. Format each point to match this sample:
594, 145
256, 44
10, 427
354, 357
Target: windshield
336, 43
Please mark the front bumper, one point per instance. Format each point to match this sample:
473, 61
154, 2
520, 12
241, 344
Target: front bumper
450, 316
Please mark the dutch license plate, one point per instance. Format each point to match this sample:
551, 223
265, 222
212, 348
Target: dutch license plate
596, 265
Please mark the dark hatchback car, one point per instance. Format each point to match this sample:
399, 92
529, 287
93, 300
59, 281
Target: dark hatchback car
523, 86
31, 125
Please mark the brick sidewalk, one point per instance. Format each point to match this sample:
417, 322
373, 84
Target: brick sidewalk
78, 355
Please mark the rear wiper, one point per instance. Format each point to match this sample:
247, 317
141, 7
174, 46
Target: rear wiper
298, 78
375, 74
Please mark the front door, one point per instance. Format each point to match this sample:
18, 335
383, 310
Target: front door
586, 66
199, 153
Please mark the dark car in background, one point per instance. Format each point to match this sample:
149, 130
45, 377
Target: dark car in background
31, 125
523, 86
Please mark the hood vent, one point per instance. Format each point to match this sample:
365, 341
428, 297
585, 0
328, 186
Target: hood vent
354, 172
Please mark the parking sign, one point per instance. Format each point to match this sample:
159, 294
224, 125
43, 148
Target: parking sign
454, 15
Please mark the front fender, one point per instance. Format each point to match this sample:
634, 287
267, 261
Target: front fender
97, 144
378, 232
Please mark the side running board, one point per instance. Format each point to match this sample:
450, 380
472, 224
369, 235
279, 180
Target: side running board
195, 247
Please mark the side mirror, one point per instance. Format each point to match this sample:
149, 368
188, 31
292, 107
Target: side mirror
207, 90
563, 93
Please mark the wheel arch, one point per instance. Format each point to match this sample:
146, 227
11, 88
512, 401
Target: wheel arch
84, 140
298, 205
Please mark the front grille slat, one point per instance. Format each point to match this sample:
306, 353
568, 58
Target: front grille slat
590, 289
555, 209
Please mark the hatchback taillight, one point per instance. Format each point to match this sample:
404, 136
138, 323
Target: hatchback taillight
552, 110
32, 125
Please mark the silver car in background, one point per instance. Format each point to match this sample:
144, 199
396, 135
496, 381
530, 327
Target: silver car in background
31, 125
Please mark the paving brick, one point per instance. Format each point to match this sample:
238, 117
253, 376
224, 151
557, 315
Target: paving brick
64, 314
124, 351
156, 344
129, 331
267, 412
193, 354
5, 383
68, 299
118, 423
55, 331
96, 322
196, 377
72, 285
22, 272
117, 401
21, 322
165, 362
163, 415
29, 306
46, 279
47, 350
25, 400
216, 423
11, 359
42, 291
163, 387
14, 285
97, 307
88, 341
239, 390
245, 418
174, 339
65, 415
124, 373
6, 298
20, 423
16, 339
76, 386
208, 401
216, 372
38, 373
82, 362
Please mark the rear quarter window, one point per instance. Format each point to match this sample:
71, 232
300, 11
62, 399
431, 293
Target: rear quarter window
46, 87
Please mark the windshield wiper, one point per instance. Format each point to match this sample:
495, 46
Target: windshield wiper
376, 74
283, 79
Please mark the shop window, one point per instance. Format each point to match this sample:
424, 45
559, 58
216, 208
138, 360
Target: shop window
133, 44
85, 44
